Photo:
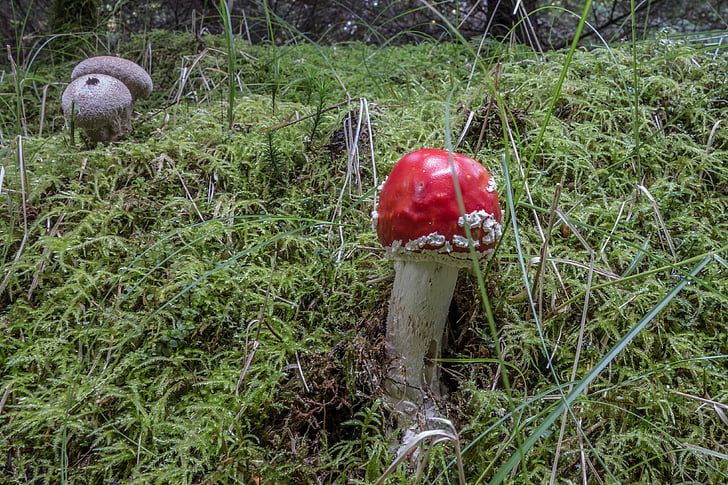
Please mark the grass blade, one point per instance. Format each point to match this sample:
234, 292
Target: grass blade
564, 403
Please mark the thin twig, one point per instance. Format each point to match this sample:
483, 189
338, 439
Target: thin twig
260, 319
187, 193
248, 360
577, 356
538, 277
4, 399
43, 108
18, 92
700, 399
261, 314
300, 373
710, 137
656, 209
23, 208
303, 118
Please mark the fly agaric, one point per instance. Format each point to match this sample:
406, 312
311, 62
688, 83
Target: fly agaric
99, 104
420, 223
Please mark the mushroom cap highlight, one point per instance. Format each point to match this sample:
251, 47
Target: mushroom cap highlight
418, 216
103, 106
133, 75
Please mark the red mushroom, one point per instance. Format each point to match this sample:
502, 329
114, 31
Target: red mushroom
421, 226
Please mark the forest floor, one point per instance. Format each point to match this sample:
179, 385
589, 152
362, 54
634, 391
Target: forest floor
204, 301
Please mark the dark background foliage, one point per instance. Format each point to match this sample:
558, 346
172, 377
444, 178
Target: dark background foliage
543, 24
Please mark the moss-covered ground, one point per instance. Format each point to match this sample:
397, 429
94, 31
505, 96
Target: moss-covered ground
204, 300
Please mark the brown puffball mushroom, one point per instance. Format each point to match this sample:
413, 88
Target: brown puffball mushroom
103, 106
134, 76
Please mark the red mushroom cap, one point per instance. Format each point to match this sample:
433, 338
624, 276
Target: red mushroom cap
418, 216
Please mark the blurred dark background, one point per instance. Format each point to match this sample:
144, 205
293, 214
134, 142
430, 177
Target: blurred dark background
26, 25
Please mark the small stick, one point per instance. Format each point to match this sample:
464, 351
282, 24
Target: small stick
244, 372
655, 207
298, 120
300, 373
710, 137
24, 210
4, 399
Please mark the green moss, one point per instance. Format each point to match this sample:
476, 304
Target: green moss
195, 304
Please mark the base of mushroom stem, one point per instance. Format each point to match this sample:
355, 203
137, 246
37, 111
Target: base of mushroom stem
411, 407
410, 419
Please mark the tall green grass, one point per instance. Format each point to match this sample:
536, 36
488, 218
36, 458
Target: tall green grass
231, 61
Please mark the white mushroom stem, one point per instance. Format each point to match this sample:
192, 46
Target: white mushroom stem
418, 310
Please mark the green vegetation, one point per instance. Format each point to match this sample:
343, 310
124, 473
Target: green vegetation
203, 302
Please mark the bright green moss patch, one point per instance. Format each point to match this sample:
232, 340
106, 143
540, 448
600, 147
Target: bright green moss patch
196, 304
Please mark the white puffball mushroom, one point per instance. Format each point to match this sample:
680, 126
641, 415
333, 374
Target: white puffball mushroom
134, 76
103, 106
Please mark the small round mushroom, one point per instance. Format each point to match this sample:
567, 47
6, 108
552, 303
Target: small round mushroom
134, 76
420, 224
103, 106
